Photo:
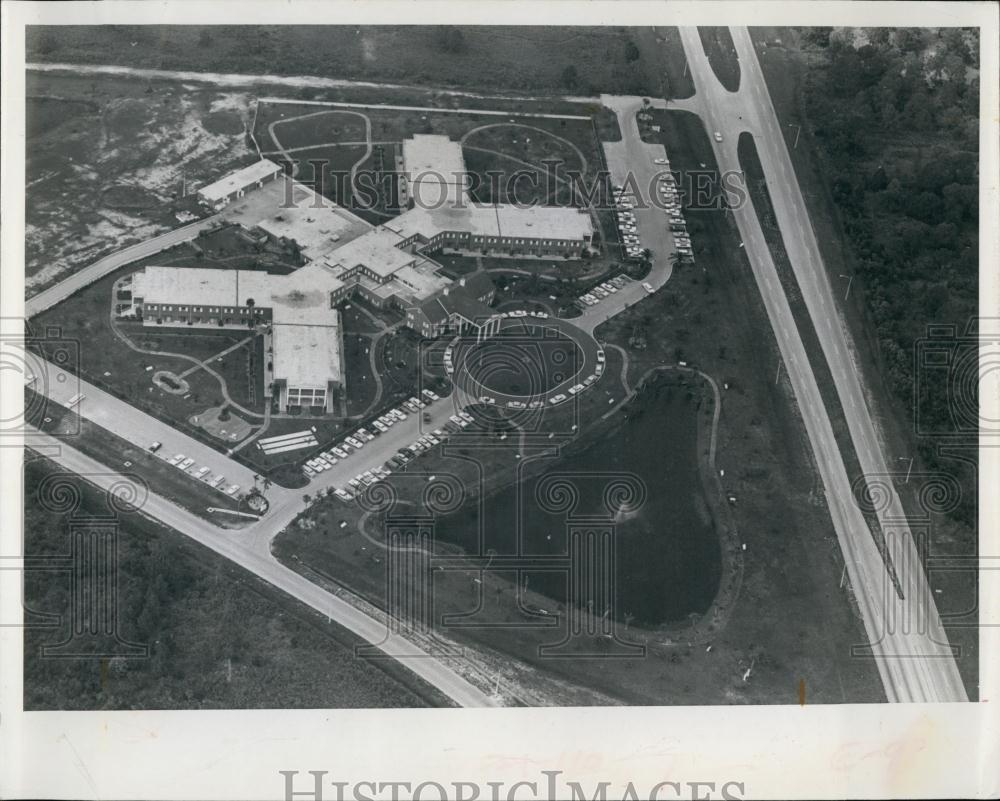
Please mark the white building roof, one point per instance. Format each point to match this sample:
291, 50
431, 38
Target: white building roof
378, 250
435, 170
315, 223
240, 179
307, 356
306, 330
544, 222
535, 222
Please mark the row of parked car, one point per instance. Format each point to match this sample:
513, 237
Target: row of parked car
360, 437
401, 458
602, 291
625, 217
671, 201
186, 464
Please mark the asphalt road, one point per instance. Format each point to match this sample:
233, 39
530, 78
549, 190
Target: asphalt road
907, 637
132, 424
92, 272
255, 556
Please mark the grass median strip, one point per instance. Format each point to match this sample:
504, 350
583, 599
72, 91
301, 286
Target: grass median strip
759, 194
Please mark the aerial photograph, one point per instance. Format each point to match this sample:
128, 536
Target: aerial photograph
499, 366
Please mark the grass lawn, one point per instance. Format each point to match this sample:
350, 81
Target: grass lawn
721, 52
218, 637
361, 385
669, 53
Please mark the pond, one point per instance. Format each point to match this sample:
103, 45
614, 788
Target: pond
667, 549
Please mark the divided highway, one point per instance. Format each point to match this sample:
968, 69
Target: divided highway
906, 634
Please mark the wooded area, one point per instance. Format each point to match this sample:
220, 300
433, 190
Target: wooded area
896, 116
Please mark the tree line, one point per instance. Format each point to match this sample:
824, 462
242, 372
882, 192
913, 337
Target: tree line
896, 116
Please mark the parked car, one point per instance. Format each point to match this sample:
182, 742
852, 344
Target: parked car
154, 447
718, 136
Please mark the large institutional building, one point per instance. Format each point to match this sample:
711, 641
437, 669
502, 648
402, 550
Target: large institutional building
387, 265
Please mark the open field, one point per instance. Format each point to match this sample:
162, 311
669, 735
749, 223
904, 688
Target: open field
130, 147
603, 59
218, 637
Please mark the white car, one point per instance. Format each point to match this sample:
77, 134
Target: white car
557, 399
354, 443
186, 464
600, 356
648, 287
718, 136
515, 405
487, 399
660, 161
233, 489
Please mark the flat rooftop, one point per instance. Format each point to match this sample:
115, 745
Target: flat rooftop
435, 170
307, 356
535, 222
240, 179
305, 329
378, 250
315, 223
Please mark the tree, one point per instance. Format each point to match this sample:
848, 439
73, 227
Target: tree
450, 39
631, 51
570, 77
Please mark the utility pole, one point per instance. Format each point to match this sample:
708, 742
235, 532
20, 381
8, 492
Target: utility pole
850, 280
777, 374
798, 130
909, 467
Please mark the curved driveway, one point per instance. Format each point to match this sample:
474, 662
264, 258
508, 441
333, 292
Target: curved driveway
586, 345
